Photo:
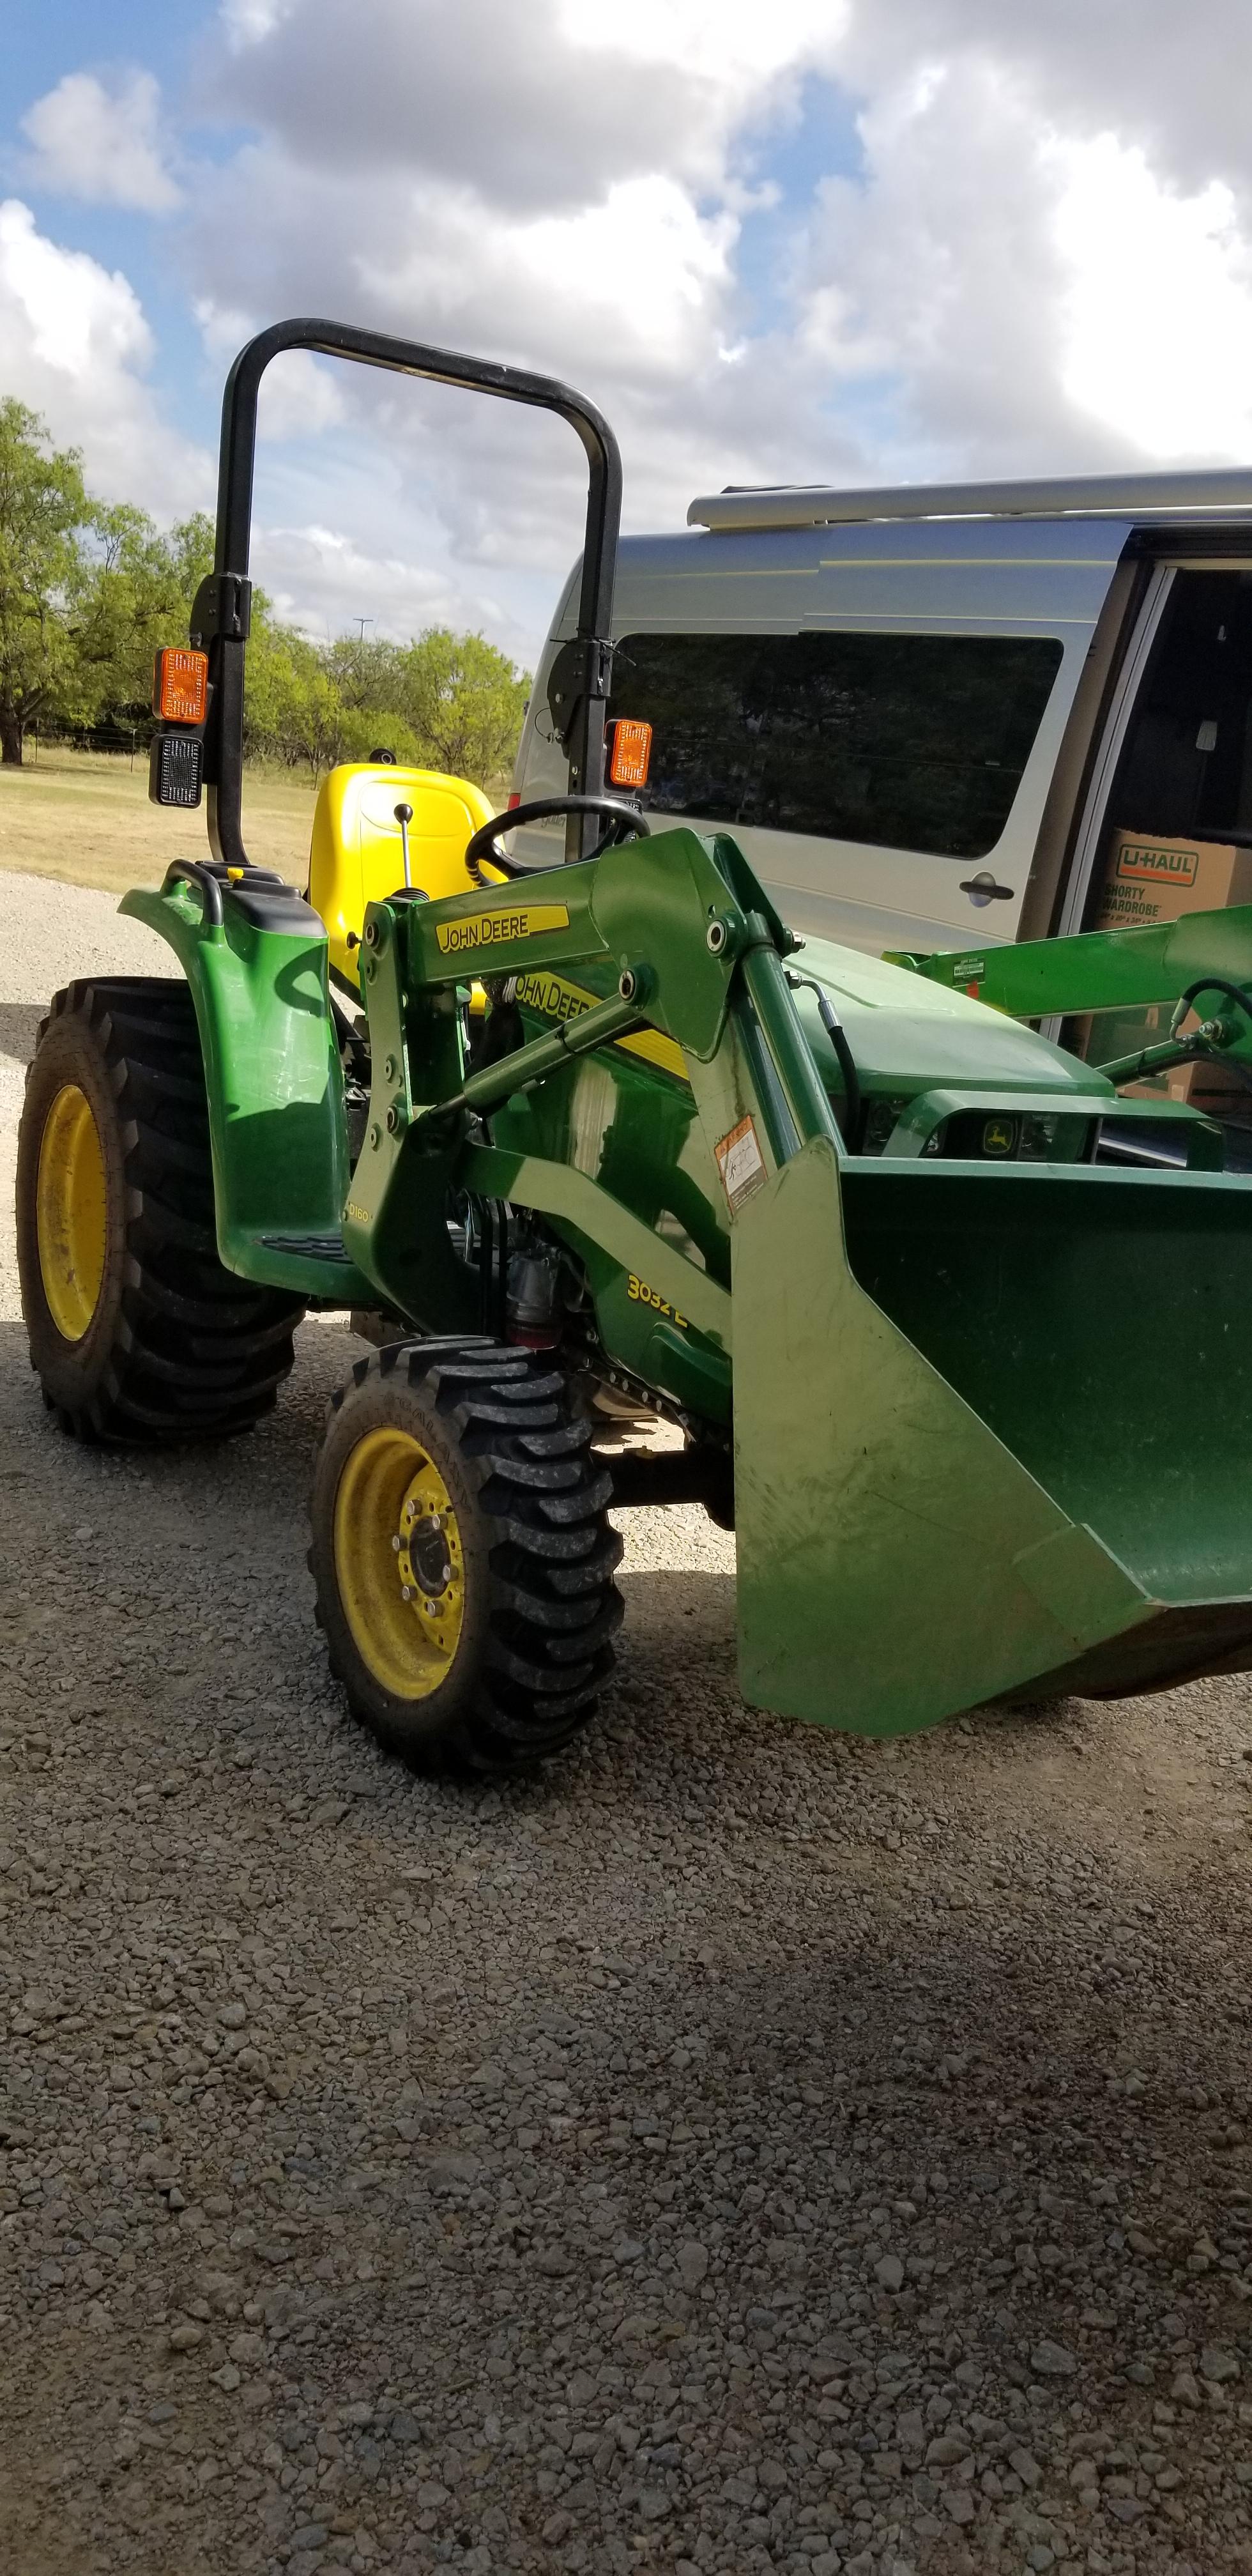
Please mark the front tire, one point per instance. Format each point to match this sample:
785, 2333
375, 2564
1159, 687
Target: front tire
138, 1333
462, 1555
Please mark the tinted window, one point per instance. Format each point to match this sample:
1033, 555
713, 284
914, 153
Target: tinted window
913, 742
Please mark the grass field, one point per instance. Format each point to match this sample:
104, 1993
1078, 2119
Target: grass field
85, 817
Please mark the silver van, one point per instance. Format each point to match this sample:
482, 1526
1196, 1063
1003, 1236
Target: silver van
932, 714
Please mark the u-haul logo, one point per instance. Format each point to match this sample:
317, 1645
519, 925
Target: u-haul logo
500, 929
1149, 865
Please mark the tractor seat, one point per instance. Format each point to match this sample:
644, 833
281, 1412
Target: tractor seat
355, 858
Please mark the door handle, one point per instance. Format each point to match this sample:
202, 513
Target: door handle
983, 888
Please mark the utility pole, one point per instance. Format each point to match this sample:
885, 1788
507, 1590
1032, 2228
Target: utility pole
360, 624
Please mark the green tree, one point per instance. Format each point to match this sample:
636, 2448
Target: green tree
368, 672
44, 511
191, 543
128, 596
465, 702
293, 710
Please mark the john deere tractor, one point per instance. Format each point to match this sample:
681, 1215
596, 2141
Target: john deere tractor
605, 1145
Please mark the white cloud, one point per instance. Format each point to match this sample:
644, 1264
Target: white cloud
246, 22
1043, 260
640, 272
299, 395
573, 191
1157, 337
938, 278
324, 582
74, 345
732, 45
101, 144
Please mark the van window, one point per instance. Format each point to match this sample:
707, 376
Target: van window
913, 742
1188, 759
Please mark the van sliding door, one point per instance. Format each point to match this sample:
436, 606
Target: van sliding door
875, 710
1168, 825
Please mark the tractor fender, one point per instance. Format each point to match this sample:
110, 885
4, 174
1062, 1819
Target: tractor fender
259, 982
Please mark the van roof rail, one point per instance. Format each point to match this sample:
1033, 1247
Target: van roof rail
1123, 495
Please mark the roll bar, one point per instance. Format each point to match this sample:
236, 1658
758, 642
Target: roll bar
220, 618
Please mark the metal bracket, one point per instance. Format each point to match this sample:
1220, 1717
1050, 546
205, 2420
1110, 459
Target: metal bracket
583, 668
222, 607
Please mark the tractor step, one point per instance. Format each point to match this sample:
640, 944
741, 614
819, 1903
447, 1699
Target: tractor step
307, 1247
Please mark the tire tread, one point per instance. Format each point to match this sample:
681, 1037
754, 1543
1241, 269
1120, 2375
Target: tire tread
553, 1606
195, 1353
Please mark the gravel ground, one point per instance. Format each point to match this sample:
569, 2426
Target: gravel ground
742, 2149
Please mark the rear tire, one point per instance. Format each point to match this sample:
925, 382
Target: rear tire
138, 1333
488, 1651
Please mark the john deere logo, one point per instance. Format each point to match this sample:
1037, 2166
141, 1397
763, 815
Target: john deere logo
500, 929
999, 1136
1148, 864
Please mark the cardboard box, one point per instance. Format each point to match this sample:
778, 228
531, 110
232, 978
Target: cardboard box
1159, 880
1149, 880
1209, 1087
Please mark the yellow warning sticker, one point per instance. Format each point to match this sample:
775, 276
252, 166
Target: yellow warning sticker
741, 1163
499, 929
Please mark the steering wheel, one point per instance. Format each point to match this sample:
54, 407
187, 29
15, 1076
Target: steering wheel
624, 819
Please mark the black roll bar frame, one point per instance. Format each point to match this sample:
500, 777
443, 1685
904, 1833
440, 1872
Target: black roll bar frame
220, 618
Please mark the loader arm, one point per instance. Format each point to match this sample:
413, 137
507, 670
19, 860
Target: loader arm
1106, 970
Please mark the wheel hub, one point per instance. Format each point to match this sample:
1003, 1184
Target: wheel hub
71, 1212
425, 1564
399, 1562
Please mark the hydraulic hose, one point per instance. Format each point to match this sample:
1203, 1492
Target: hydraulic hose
838, 1036
1209, 984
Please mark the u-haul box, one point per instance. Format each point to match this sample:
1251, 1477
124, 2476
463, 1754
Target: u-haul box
1159, 879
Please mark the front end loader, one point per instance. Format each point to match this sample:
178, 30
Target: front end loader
605, 1143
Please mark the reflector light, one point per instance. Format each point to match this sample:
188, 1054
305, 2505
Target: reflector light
175, 769
180, 679
515, 798
630, 752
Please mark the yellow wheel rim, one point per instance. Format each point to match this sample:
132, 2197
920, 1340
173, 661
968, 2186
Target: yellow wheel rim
71, 1224
399, 1563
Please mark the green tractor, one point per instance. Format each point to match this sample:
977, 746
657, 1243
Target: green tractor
606, 1145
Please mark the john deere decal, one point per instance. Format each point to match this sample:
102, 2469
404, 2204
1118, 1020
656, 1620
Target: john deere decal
558, 999
500, 929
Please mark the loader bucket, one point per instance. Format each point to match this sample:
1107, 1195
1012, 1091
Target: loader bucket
991, 1434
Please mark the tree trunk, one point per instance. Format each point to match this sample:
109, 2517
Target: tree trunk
11, 732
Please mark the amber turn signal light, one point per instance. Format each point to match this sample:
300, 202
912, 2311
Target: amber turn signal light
630, 751
180, 685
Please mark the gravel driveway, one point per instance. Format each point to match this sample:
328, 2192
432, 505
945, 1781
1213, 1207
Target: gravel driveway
741, 2149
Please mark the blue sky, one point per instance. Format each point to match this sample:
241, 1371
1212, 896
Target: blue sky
823, 241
